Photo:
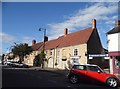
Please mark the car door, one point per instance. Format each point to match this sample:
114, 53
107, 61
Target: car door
94, 74
80, 71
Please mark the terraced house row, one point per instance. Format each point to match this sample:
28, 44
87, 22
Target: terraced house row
71, 48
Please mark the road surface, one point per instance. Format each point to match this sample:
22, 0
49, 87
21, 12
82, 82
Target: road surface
40, 78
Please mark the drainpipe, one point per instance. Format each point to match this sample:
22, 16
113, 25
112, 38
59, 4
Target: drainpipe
56, 57
53, 58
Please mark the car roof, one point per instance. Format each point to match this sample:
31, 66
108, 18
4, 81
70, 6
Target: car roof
85, 65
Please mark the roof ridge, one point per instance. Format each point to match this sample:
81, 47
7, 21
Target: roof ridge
67, 34
74, 38
81, 30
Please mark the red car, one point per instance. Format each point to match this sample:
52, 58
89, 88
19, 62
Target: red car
91, 74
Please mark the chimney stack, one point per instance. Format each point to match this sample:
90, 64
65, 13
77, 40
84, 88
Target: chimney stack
117, 23
93, 23
45, 39
65, 32
33, 42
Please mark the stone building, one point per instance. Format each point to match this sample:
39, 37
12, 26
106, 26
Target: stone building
70, 48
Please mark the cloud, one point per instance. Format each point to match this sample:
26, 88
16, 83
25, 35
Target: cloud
27, 40
1, 53
99, 11
6, 38
111, 20
9, 39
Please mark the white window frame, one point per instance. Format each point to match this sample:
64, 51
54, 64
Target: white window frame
74, 52
50, 51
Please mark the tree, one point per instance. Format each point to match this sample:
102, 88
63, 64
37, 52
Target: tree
21, 50
42, 57
11, 57
39, 59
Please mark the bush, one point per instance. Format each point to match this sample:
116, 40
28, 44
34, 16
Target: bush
38, 61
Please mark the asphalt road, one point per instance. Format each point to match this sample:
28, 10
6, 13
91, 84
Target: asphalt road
40, 79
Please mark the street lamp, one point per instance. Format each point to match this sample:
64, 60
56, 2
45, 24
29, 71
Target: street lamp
40, 29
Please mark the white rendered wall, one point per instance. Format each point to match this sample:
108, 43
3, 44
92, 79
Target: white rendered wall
114, 42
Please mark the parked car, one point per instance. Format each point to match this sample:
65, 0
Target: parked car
6, 62
17, 64
92, 74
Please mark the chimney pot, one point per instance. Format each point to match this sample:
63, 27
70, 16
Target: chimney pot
93, 23
33, 42
65, 32
117, 23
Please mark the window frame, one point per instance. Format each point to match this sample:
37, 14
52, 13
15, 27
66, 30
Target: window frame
50, 51
75, 52
117, 61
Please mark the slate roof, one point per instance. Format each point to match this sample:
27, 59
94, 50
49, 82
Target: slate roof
114, 30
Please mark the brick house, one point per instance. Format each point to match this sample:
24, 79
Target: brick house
71, 48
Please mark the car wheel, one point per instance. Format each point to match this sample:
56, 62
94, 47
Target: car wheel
112, 82
74, 79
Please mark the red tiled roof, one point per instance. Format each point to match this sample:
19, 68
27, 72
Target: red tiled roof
37, 46
79, 37
51, 44
75, 38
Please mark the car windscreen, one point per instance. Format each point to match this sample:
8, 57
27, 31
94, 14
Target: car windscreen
79, 67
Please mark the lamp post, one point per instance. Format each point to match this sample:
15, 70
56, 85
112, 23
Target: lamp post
40, 29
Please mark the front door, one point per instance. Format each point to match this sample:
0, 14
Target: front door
50, 63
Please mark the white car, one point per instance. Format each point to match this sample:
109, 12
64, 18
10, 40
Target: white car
17, 64
7, 62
